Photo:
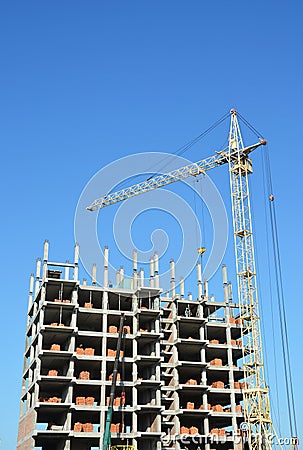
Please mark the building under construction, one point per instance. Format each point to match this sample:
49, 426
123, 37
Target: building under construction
179, 384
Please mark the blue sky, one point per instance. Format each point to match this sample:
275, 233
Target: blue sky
86, 83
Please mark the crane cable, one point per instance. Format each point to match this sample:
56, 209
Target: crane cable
281, 303
249, 125
274, 402
279, 288
184, 148
180, 151
269, 269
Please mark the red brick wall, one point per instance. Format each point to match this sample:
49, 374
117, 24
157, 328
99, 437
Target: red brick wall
28, 444
25, 429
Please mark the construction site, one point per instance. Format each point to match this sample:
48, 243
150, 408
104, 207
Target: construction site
131, 366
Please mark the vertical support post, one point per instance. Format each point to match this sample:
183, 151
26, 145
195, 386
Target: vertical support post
31, 290
141, 278
45, 259
31, 283
172, 278
156, 270
105, 274
199, 280
66, 271
151, 272
226, 286
135, 261
94, 274
38, 275
182, 287
121, 272
117, 278
224, 274
45, 250
156, 263
76, 261
206, 290
135, 269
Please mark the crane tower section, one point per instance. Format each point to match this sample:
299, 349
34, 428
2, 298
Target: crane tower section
256, 397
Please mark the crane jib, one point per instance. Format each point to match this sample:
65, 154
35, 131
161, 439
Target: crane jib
194, 169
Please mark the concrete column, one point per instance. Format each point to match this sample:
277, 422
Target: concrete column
60, 296
156, 263
224, 274
199, 280
72, 344
182, 287
74, 313
230, 293
200, 311
151, 272
156, 270
206, 290
30, 296
225, 291
68, 426
121, 272
66, 271
38, 275
45, 250
94, 274
135, 280
117, 278
203, 359
105, 275
157, 281
141, 276
76, 262
38, 348
172, 278
135, 269
44, 271
31, 283
39, 326
135, 261
74, 296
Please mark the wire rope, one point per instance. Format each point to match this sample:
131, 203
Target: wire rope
271, 294
180, 151
281, 303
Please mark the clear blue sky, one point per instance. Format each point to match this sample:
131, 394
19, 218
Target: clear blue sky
85, 83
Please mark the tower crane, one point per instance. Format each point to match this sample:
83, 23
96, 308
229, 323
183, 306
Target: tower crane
256, 396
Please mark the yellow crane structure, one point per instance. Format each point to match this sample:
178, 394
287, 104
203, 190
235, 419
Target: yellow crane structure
259, 430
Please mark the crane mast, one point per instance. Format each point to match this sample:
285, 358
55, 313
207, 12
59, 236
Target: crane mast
256, 396
259, 427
